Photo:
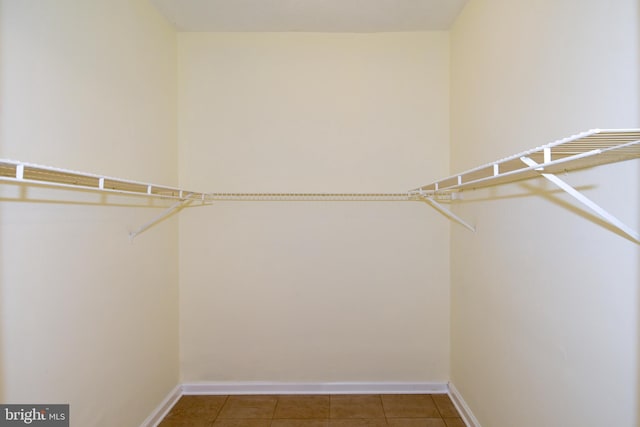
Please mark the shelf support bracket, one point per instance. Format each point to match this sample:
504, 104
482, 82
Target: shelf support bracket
446, 212
176, 207
610, 219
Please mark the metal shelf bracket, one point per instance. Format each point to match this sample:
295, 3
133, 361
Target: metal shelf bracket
176, 207
443, 210
602, 213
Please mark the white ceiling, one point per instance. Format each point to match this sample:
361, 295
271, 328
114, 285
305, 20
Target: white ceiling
310, 15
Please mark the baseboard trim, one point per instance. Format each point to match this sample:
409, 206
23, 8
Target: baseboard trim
250, 387
465, 412
163, 408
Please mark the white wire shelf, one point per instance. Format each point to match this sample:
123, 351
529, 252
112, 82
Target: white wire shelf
323, 197
584, 150
29, 173
34, 174
592, 148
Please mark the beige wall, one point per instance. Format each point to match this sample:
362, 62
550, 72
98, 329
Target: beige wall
545, 301
86, 316
320, 292
544, 297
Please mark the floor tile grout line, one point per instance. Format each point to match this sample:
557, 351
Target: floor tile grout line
384, 413
275, 409
226, 399
437, 408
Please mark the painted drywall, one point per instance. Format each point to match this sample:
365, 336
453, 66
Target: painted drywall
86, 316
544, 296
313, 291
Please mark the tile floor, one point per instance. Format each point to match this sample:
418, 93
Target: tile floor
406, 410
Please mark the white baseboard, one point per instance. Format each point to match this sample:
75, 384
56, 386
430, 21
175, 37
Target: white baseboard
465, 412
163, 408
251, 387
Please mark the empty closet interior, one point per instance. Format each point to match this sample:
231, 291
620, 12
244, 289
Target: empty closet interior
338, 197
